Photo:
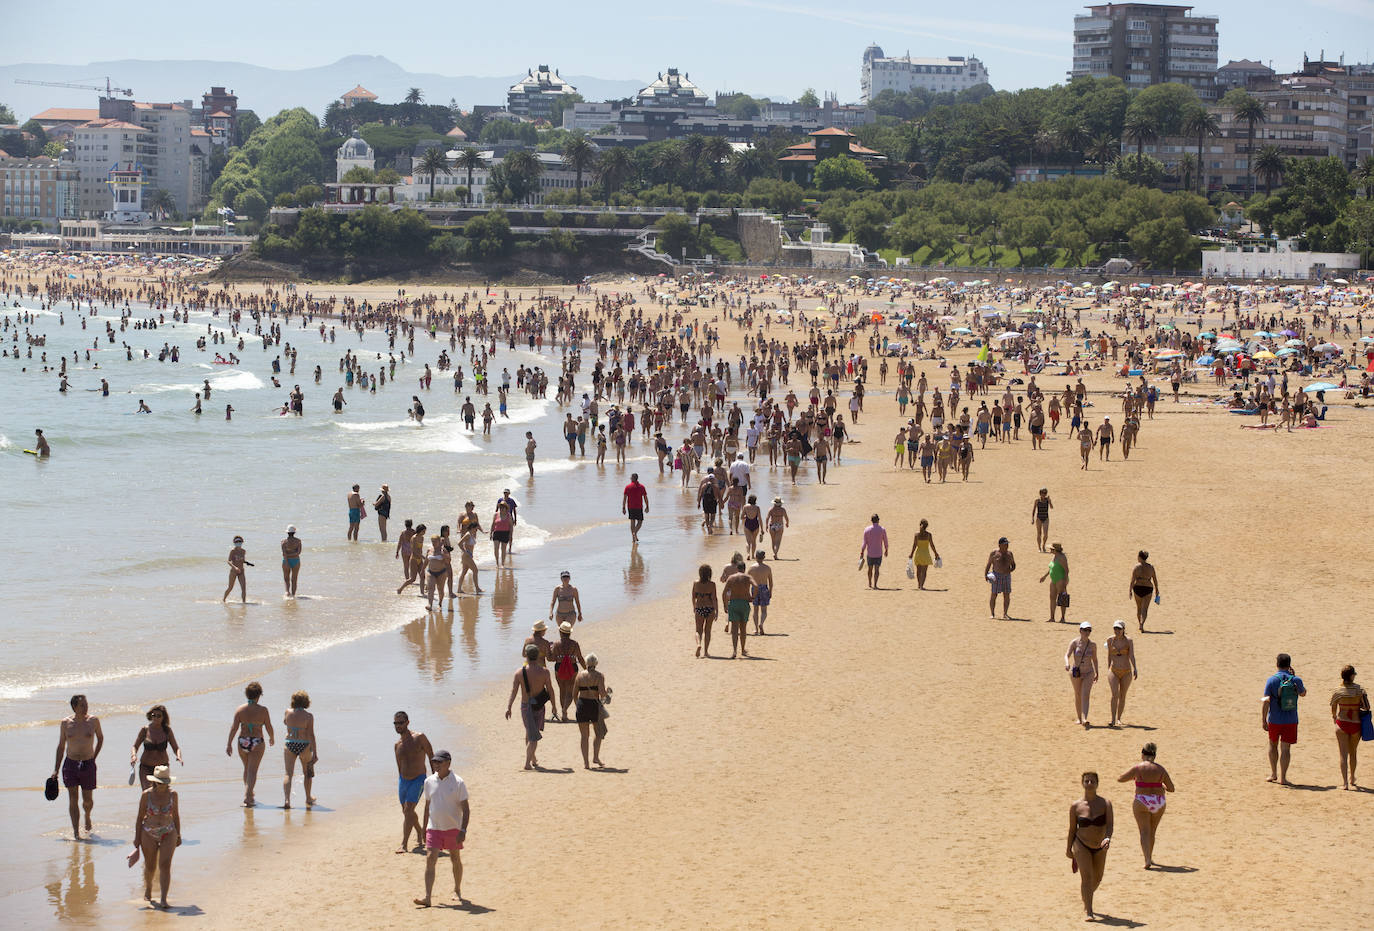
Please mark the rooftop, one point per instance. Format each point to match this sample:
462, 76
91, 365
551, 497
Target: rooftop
359, 93
67, 115
110, 124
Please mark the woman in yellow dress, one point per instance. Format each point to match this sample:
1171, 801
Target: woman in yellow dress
923, 553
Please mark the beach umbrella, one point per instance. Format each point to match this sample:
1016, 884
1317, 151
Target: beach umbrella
1326, 347
1207, 334
1207, 359
1263, 334
1295, 343
1003, 337
1285, 352
961, 330
1340, 281
1290, 332
1320, 386
1171, 354
1264, 354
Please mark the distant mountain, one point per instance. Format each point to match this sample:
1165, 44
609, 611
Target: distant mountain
268, 90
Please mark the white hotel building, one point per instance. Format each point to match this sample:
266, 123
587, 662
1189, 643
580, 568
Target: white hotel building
952, 73
555, 175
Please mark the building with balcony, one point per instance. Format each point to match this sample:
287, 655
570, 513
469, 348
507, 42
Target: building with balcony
38, 189
672, 90
1242, 73
799, 162
1147, 43
951, 73
358, 94
96, 146
534, 95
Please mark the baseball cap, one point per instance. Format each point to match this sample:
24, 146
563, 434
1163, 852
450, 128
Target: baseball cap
1085, 626
442, 755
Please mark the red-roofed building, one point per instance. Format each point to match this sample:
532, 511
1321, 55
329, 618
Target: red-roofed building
799, 162
37, 189
358, 94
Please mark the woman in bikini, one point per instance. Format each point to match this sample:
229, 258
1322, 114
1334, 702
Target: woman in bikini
1144, 584
1091, 823
1080, 662
923, 553
1151, 782
752, 518
157, 833
531, 677
299, 745
415, 561
734, 503
501, 527
1058, 574
154, 739
591, 691
438, 567
1121, 669
705, 608
1346, 704
777, 521
250, 721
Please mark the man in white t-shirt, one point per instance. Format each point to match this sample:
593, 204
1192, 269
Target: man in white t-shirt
740, 469
445, 822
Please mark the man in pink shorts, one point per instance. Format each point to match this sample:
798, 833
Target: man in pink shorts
445, 823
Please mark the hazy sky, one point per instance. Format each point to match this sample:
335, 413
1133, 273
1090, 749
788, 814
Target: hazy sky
767, 47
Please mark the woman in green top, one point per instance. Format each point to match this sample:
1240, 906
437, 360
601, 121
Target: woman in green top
1058, 574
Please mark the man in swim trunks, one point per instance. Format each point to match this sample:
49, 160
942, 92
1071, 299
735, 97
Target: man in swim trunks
412, 751
79, 741
1281, 723
1105, 434
872, 549
1001, 564
634, 502
355, 513
763, 590
446, 808
738, 594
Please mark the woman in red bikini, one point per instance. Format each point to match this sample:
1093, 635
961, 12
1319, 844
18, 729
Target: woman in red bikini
1346, 704
1151, 782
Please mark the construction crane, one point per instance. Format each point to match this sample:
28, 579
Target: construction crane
109, 91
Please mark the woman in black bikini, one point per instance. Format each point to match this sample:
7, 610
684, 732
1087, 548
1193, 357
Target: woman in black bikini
591, 691
154, 739
705, 608
250, 720
752, 518
1091, 823
1144, 584
299, 745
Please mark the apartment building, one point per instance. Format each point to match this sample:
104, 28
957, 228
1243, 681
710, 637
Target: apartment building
96, 147
37, 189
1147, 43
902, 75
533, 96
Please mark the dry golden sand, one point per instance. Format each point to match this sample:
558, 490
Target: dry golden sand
899, 759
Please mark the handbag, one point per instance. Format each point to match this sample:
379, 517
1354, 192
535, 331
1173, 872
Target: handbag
1063, 599
1366, 723
910, 569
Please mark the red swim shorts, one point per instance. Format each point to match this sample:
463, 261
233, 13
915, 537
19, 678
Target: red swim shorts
1288, 733
443, 840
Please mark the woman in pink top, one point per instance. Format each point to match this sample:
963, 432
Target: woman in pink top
500, 534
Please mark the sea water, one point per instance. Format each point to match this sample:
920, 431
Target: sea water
114, 556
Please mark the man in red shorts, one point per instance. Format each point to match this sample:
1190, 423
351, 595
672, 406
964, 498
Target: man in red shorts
445, 823
1279, 716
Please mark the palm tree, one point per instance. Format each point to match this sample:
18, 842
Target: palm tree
1140, 129
1247, 108
668, 163
751, 163
1073, 137
1364, 175
414, 96
1103, 150
1187, 164
1269, 166
523, 169
612, 169
1201, 123
433, 161
580, 156
692, 149
159, 203
1043, 142
716, 153
470, 160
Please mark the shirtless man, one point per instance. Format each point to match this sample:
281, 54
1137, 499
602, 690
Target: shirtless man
1105, 434
79, 741
738, 593
290, 560
566, 604
412, 754
1001, 564
237, 560
355, 513
763, 590
822, 453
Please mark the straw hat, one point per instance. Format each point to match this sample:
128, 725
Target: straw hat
1057, 547
162, 775
540, 627
565, 627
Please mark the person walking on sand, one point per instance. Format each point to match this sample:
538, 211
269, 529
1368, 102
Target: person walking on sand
762, 574
777, 521
872, 549
445, 823
1080, 662
535, 687
566, 603
1279, 716
1151, 782
530, 446
566, 654
300, 744
250, 721
1121, 669
923, 554
355, 513
705, 608
1144, 583
157, 833
738, 593
1347, 704
79, 741
237, 560
1000, 565
1040, 518
1058, 574
592, 696
634, 502
152, 742
413, 751
1091, 824
291, 560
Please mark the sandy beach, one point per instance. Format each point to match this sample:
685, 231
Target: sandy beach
898, 758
